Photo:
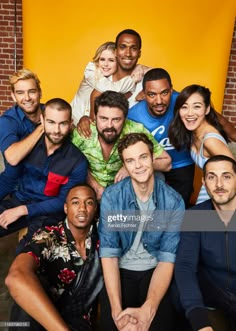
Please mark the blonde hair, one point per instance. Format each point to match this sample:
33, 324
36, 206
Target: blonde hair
109, 45
23, 74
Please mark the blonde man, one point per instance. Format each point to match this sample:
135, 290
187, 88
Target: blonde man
20, 127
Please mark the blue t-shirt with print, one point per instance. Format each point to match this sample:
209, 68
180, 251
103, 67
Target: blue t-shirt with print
159, 126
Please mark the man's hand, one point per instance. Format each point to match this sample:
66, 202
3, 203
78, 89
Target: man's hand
99, 189
11, 215
121, 174
140, 96
124, 322
83, 126
140, 319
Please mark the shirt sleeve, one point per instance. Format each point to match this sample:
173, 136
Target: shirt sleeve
95, 79
54, 205
76, 138
8, 132
171, 236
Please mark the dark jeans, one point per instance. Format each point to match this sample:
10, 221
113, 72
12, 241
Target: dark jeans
181, 180
33, 223
134, 288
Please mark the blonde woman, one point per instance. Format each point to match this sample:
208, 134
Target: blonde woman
98, 76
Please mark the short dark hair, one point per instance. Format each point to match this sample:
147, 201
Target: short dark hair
131, 139
59, 104
218, 158
112, 99
156, 74
132, 32
83, 185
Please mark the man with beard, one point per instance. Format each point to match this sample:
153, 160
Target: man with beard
20, 127
205, 268
47, 173
128, 51
105, 166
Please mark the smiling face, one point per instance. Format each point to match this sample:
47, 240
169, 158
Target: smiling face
138, 161
220, 183
80, 207
157, 95
107, 62
27, 95
109, 122
193, 112
127, 52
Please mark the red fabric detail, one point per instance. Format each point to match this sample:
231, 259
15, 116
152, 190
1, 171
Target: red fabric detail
54, 183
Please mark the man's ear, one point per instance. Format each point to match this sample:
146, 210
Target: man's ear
139, 54
13, 96
65, 208
203, 181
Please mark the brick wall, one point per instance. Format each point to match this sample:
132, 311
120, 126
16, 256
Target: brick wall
11, 26
10, 58
229, 106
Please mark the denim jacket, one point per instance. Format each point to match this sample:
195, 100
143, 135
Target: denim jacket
160, 240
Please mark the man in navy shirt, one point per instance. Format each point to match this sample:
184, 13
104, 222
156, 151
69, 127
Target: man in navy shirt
52, 167
205, 269
20, 126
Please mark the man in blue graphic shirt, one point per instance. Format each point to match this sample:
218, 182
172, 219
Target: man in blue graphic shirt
156, 113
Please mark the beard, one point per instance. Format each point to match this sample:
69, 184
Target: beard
109, 139
58, 140
224, 200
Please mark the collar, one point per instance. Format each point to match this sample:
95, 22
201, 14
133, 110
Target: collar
132, 196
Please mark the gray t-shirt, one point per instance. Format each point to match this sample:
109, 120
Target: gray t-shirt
138, 258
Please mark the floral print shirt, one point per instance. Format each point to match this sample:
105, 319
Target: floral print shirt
53, 248
104, 171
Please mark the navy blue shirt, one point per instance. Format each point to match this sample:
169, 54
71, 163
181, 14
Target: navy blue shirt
46, 180
14, 126
204, 246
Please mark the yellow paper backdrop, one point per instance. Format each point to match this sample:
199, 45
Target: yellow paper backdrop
190, 39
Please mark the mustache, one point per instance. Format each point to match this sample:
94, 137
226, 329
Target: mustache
109, 130
220, 191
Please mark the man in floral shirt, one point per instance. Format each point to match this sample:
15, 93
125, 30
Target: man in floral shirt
56, 279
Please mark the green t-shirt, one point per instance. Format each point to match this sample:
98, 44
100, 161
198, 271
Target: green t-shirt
105, 171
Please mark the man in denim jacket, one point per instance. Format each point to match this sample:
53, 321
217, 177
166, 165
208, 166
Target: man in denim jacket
139, 234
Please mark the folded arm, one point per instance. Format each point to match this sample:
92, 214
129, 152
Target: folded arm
20, 149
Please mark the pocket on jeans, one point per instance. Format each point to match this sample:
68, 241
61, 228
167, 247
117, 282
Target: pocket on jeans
54, 183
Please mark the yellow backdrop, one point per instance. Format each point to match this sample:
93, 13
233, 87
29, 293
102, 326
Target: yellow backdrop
190, 39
